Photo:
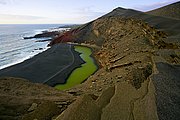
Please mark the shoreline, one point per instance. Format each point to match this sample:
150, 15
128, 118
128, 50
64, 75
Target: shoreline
38, 68
39, 37
23, 59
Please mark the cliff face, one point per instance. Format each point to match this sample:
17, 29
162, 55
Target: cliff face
78, 35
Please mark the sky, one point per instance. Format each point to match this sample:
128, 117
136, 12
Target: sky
67, 11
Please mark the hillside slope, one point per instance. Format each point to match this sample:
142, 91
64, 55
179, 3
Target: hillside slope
137, 49
87, 33
171, 11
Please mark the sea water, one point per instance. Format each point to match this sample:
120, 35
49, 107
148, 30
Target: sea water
14, 49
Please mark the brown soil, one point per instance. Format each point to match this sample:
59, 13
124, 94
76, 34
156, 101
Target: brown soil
17, 96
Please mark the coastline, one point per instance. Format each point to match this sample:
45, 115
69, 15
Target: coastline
23, 59
138, 76
43, 65
15, 48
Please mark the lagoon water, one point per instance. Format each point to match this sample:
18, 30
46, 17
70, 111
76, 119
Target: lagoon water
14, 49
83, 72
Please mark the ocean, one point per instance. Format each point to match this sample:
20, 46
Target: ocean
14, 49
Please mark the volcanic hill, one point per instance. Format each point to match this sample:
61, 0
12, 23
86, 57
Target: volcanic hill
171, 11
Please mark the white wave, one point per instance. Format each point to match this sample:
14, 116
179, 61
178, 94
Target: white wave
23, 58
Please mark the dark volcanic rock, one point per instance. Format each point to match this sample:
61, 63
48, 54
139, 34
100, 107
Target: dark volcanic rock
66, 37
167, 86
44, 34
81, 34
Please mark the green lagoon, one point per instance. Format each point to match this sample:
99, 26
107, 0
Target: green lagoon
83, 72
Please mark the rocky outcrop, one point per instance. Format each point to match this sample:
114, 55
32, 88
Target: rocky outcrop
66, 37
82, 34
45, 34
87, 108
21, 99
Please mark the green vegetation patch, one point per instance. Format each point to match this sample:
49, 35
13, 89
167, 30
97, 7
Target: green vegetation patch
83, 72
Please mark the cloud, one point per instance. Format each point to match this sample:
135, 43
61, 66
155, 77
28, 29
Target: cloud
154, 5
11, 19
86, 14
3, 2
20, 16
6, 2
78, 15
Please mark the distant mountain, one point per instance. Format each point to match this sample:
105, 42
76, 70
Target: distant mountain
122, 12
171, 11
88, 32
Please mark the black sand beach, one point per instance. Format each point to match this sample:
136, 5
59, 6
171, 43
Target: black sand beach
50, 67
